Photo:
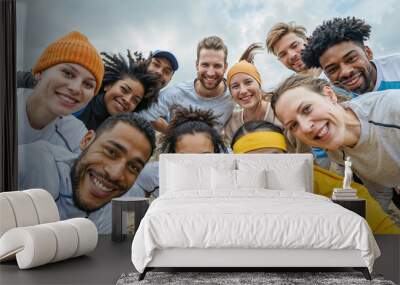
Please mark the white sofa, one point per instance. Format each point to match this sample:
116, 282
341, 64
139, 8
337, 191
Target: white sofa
31, 231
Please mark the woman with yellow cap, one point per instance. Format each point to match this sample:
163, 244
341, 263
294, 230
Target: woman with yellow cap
244, 82
264, 137
69, 73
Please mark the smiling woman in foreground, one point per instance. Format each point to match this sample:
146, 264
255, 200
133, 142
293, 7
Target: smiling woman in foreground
366, 128
263, 137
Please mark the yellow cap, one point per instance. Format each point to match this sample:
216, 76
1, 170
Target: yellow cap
243, 67
261, 139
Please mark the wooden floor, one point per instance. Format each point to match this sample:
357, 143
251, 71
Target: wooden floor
110, 259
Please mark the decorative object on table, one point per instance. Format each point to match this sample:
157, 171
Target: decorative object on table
244, 278
127, 212
348, 174
346, 193
31, 233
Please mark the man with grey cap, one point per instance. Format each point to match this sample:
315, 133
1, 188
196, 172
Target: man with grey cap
164, 64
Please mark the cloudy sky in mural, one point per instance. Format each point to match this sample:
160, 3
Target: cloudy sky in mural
178, 25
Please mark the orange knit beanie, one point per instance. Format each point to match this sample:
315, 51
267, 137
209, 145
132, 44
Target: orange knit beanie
243, 67
74, 48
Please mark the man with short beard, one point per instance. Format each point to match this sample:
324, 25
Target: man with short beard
164, 64
207, 92
337, 46
110, 161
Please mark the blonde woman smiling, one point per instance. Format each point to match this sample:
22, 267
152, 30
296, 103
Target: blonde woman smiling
366, 128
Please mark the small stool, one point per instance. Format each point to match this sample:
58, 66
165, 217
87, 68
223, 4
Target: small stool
127, 212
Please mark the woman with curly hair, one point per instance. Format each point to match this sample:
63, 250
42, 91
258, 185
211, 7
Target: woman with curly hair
127, 86
191, 131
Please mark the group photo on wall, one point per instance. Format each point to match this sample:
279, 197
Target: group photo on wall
260, 125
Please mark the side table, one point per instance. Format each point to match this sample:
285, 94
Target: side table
356, 205
127, 212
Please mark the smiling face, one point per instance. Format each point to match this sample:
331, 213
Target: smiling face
162, 68
348, 66
245, 90
211, 67
123, 96
315, 119
288, 50
65, 88
108, 165
194, 143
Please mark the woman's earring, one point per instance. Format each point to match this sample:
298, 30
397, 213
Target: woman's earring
38, 76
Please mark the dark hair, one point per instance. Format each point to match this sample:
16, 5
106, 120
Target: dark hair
191, 121
333, 32
133, 120
254, 126
117, 68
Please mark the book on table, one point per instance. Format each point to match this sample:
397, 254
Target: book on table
344, 194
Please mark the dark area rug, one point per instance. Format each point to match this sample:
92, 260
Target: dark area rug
243, 278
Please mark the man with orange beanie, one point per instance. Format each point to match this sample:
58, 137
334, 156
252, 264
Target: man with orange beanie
69, 73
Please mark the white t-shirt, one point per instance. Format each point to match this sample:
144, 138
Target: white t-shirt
387, 72
376, 156
49, 167
147, 181
184, 94
65, 131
